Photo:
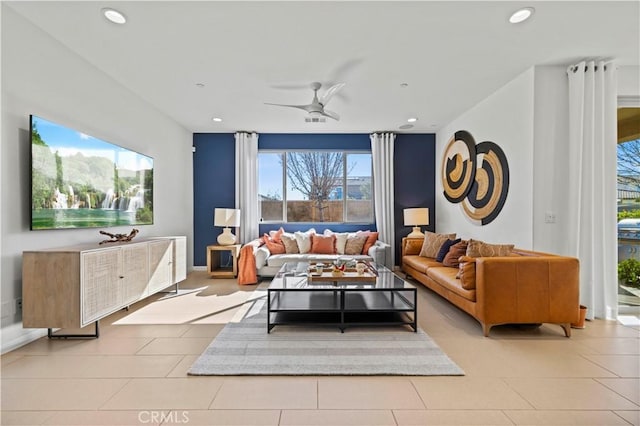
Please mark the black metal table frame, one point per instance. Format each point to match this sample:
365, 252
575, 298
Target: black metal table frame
341, 292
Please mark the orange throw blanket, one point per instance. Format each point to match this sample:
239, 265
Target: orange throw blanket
247, 265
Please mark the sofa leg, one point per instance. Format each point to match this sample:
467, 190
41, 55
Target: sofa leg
567, 328
486, 328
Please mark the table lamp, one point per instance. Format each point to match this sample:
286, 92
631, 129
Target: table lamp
226, 218
416, 217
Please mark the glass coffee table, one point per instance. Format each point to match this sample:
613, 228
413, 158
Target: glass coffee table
293, 297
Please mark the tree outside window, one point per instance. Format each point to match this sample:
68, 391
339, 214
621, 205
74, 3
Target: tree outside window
315, 184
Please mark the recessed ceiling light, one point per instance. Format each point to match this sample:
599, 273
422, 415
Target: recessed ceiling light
521, 15
200, 85
114, 16
404, 85
412, 119
217, 119
406, 126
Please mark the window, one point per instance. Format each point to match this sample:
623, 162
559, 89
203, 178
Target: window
628, 174
315, 186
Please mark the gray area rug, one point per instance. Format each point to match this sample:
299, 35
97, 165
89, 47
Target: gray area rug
245, 348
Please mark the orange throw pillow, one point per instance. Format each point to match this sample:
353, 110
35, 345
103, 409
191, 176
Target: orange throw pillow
372, 237
276, 235
467, 272
323, 244
274, 247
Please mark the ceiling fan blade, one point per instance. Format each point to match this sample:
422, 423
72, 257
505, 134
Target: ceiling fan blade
330, 92
302, 107
290, 86
330, 114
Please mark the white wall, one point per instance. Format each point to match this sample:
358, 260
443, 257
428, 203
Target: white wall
629, 81
41, 76
505, 118
528, 118
550, 153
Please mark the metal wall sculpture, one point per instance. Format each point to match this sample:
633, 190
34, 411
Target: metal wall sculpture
476, 176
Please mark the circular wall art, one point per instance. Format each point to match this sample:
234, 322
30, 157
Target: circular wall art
458, 166
476, 176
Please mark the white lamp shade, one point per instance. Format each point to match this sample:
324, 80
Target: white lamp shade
416, 217
226, 218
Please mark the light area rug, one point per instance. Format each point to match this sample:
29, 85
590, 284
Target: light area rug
245, 348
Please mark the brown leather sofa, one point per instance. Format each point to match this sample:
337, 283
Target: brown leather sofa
524, 288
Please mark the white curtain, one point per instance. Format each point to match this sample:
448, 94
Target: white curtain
247, 185
592, 183
382, 155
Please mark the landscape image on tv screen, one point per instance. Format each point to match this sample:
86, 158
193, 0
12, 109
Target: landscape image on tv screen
78, 181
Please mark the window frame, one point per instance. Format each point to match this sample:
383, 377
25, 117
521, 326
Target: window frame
345, 153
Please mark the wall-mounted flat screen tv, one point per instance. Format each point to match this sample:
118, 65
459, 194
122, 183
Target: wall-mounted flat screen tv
78, 181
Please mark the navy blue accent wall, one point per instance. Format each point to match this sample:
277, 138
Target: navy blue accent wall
414, 180
214, 171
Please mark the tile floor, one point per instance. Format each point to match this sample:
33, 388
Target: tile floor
135, 374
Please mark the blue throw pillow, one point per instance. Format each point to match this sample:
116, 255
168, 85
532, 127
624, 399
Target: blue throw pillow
444, 249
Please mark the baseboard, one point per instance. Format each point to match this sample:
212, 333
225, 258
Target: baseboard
13, 336
199, 268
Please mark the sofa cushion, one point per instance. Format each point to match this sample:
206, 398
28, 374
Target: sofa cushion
355, 244
372, 237
432, 243
275, 247
446, 277
341, 239
445, 249
323, 244
467, 272
477, 248
455, 251
412, 246
420, 264
304, 240
290, 243
276, 261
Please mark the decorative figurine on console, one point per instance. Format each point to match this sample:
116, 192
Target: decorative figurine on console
116, 238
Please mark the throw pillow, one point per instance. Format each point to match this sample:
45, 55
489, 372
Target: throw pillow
412, 246
323, 244
341, 239
432, 243
477, 248
354, 244
290, 243
304, 240
467, 272
372, 237
275, 235
455, 251
444, 249
274, 247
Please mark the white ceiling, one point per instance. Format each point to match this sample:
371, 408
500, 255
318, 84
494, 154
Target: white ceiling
452, 55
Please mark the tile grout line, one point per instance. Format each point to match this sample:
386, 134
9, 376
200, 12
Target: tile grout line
426, 407
615, 391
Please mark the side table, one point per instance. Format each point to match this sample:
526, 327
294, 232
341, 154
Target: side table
214, 265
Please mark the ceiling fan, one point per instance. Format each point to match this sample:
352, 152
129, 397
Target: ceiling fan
316, 107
